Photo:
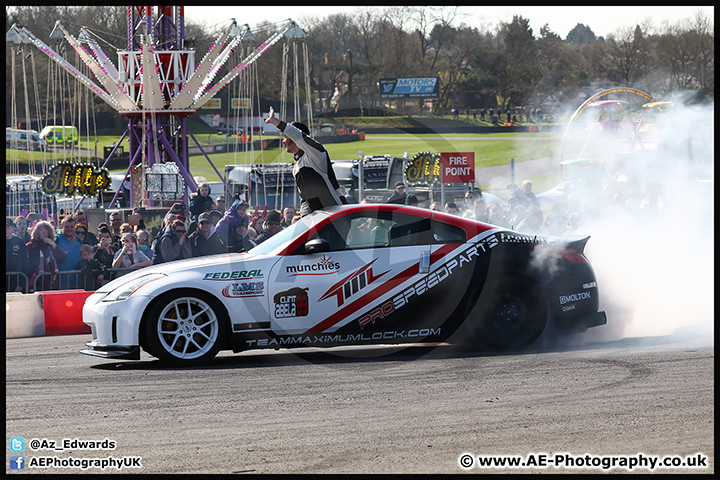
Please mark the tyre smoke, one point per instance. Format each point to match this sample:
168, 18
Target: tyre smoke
652, 247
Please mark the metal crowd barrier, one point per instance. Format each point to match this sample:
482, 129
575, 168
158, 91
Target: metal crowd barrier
20, 279
76, 279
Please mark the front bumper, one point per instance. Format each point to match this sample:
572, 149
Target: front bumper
114, 324
105, 351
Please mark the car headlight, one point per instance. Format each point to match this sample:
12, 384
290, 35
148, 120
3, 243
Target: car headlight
124, 291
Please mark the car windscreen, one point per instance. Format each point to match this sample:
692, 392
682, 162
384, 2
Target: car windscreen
280, 240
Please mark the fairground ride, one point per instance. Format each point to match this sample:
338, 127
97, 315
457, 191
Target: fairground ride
622, 144
599, 138
157, 86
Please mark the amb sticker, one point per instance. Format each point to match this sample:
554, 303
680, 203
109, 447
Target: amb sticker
292, 303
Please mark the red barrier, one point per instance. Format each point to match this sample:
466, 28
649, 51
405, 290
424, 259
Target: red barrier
63, 312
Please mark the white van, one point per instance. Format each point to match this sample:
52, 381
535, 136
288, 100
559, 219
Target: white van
15, 137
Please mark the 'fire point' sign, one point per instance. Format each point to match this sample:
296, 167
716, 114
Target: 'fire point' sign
458, 167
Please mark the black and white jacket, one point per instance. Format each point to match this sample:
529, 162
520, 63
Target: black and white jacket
313, 172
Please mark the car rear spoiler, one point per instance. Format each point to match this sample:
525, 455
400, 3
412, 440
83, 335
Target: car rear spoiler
576, 243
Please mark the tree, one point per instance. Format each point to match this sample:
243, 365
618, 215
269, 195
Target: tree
555, 65
484, 63
590, 63
702, 42
685, 51
519, 72
433, 25
454, 63
370, 37
580, 34
627, 56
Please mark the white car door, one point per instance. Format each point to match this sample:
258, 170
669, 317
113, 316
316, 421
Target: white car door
322, 292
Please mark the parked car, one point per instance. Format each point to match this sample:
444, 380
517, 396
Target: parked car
228, 129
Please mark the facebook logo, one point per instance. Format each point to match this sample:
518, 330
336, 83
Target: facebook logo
17, 462
17, 444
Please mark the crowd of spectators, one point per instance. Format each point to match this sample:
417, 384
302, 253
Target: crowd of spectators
514, 115
93, 259
523, 212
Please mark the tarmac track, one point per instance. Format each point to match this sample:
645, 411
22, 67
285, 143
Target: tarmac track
367, 410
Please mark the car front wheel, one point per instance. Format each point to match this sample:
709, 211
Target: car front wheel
185, 328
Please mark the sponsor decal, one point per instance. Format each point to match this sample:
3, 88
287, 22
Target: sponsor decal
381, 312
567, 308
292, 303
480, 246
324, 267
431, 280
574, 297
236, 275
290, 340
517, 238
244, 289
352, 284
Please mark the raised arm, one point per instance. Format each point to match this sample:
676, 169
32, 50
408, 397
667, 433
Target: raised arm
271, 119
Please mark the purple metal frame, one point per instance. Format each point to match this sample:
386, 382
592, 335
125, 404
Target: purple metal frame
168, 34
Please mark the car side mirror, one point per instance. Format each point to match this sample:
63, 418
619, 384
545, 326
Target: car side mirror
317, 245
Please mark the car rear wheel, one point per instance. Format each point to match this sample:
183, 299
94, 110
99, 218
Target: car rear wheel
513, 314
185, 328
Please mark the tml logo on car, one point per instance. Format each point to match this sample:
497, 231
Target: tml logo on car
352, 284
